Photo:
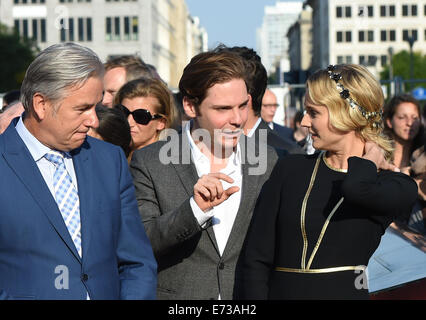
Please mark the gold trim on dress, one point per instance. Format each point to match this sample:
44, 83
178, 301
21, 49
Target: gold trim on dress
323, 270
302, 222
330, 166
323, 232
303, 210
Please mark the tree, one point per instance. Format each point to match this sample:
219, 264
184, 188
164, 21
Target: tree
401, 67
16, 54
273, 78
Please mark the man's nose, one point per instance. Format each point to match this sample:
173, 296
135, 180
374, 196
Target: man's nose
237, 118
107, 99
93, 120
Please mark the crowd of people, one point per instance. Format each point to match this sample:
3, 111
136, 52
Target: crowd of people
199, 194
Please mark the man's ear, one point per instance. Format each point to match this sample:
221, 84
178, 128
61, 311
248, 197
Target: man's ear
189, 108
40, 105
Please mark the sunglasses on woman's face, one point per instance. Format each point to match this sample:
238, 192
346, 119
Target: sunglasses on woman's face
141, 116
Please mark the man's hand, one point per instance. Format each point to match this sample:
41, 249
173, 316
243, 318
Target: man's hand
374, 153
208, 191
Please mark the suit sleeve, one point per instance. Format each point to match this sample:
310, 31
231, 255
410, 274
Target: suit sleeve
259, 249
137, 265
386, 193
166, 230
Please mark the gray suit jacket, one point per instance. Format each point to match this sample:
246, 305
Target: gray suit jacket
189, 263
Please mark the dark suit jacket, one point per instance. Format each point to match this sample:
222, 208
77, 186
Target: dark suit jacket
277, 142
283, 132
190, 265
37, 254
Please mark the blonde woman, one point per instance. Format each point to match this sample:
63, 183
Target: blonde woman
149, 107
320, 217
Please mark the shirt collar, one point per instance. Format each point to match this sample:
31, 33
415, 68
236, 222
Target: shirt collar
195, 151
36, 148
252, 130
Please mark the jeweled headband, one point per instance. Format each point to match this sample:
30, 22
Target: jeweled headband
344, 93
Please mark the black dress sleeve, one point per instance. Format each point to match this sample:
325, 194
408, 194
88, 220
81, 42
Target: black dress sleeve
258, 252
385, 193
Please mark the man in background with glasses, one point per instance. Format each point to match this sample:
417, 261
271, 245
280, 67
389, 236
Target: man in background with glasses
269, 107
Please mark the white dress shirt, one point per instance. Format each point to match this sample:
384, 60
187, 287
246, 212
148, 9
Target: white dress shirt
252, 130
38, 150
223, 215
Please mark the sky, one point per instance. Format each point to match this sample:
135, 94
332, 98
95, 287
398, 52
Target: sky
231, 22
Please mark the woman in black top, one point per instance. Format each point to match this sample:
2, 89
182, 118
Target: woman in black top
320, 217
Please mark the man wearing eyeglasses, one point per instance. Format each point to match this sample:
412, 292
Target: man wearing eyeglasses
269, 107
197, 208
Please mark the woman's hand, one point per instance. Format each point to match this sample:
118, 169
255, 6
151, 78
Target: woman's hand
375, 154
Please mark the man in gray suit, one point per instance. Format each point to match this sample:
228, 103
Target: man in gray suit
197, 190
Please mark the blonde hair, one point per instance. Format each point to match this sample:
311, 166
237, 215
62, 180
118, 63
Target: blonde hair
364, 89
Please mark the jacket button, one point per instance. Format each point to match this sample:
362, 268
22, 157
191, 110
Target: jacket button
84, 277
221, 266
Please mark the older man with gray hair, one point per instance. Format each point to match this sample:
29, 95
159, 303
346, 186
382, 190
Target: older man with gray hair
70, 225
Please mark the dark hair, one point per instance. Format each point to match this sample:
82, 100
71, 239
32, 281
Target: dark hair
180, 111
297, 118
389, 112
10, 98
207, 69
114, 128
257, 76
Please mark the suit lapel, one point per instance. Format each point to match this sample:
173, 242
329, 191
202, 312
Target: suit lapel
250, 186
83, 172
21, 162
188, 176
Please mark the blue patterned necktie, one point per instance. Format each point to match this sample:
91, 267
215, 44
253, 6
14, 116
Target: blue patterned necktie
66, 197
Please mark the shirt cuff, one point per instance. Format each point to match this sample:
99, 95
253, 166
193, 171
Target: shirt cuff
201, 216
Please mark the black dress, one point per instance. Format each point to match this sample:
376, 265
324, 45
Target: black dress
274, 262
